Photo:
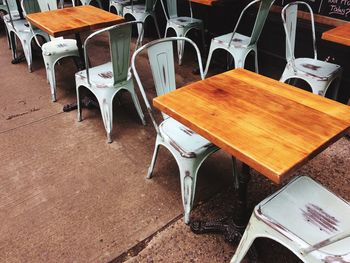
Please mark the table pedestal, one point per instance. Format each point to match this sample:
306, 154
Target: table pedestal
231, 230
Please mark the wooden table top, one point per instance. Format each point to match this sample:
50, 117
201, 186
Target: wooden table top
340, 34
271, 126
71, 20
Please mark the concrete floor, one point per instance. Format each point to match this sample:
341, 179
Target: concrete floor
68, 196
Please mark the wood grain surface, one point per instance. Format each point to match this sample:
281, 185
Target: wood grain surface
271, 126
71, 20
340, 35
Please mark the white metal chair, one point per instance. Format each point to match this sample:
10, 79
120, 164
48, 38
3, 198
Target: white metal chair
239, 45
181, 24
21, 29
306, 218
55, 49
88, 2
106, 80
188, 148
141, 12
318, 74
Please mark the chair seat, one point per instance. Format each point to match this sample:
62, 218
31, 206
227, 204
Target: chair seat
239, 40
15, 16
184, 21
100, 76
316, 68
134, 9
59, 46
182, 138
20, 25
310, 212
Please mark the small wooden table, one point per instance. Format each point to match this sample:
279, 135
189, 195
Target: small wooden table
340, 34
270, 126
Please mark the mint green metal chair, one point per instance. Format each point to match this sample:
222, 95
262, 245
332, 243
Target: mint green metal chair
21, 29
306, 218
317, 73
181, 24
106, 80
239, 45
188, 148
56, 48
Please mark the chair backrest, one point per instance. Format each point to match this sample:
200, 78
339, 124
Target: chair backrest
263, 11
119, 42
11, 8
161, 60
289, 17
31, 6
170, 11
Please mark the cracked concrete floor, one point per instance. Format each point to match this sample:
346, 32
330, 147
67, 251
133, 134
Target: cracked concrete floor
68, 196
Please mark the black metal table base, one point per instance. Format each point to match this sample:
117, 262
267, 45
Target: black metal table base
231, 230
86, 102
18, 59
224, 226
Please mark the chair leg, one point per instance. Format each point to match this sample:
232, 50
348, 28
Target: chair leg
27, 49
50, 71
13, 44
137, 104
180, 49
79, 113
256, 62
154, 159
107, 117
141, 32
188, 177
156, 25
245, 243
211, 50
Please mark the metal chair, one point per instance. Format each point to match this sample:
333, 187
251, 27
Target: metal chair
318, 74
306, 218
239, 45
21, 29
188, 148
181, 24
106, 80
88, 2
141, 12
55, 49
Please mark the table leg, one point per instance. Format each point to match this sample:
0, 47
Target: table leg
231, 230
81, 65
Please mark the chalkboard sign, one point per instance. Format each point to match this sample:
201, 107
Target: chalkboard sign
339, 9
336, 8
